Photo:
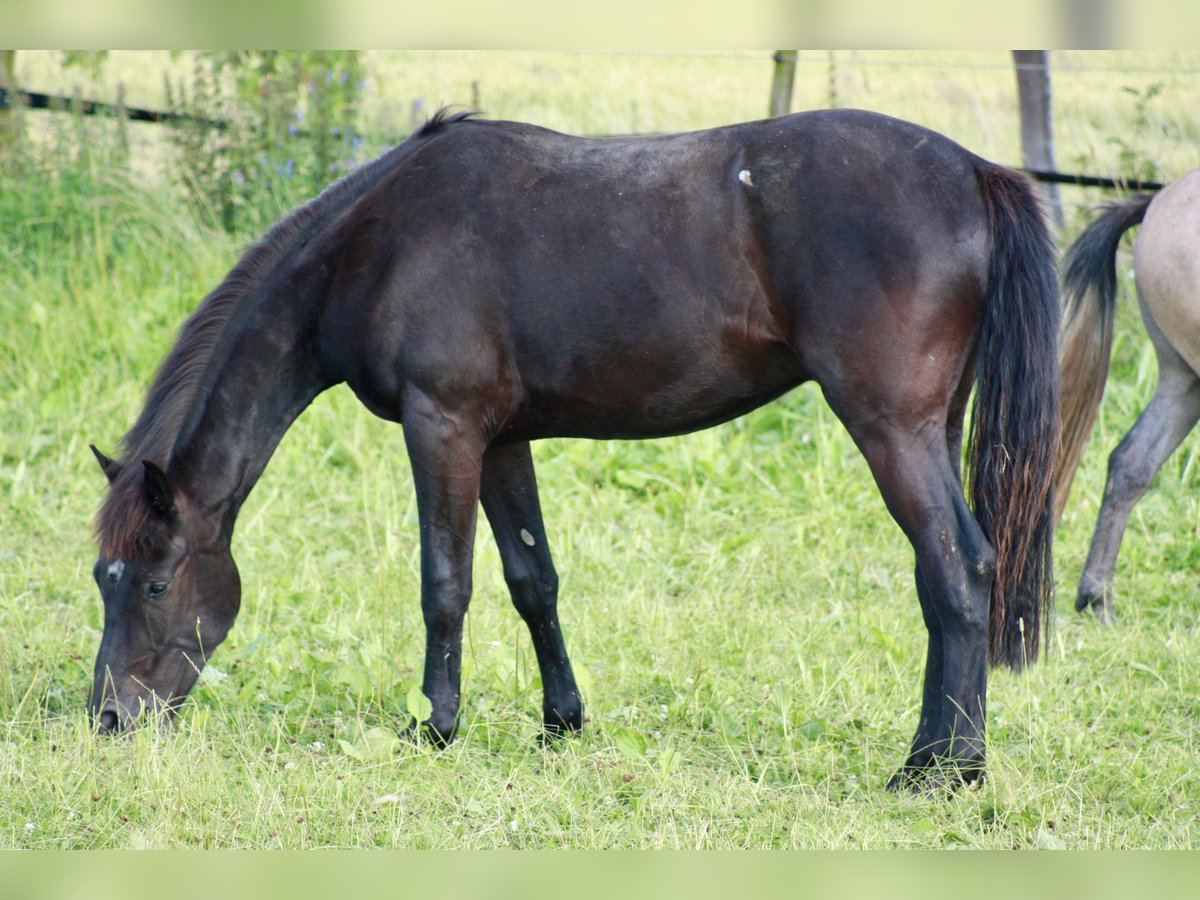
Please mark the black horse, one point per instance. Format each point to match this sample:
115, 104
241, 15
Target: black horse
489, 283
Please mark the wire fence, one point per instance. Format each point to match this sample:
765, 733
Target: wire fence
1064, 66
1062, 63
55, 103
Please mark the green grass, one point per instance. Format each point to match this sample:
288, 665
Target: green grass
738, 603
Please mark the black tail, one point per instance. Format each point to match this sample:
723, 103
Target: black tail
1014, 436
1090, 305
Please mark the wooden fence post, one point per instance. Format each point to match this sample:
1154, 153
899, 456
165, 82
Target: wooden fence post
781, 84
1037, 124
122, 122
10, 117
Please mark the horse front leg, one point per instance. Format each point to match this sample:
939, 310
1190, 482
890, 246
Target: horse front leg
509, 493
446, 458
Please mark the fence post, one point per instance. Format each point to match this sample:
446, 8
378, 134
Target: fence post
10, 117
1037, 128
122, 122
781, 84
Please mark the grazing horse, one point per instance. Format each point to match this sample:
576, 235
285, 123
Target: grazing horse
488, 283
1166, 259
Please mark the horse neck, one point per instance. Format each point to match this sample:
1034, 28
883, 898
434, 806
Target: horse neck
270, 375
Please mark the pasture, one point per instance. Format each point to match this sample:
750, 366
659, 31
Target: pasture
738, 603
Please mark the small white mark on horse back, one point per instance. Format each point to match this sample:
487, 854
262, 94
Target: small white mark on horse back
744, 178
527, 537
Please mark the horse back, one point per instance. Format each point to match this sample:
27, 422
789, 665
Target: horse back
631, 287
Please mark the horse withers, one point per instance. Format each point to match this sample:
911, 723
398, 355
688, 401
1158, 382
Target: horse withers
488, 283
1167, 266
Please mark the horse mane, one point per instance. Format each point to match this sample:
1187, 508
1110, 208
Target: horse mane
179, 392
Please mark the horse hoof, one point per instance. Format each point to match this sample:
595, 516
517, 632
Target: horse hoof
903, 779
429, 733
555, 732
938, 778
563, 719
1097, 604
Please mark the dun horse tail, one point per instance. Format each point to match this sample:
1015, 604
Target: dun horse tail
1085, 348
1014, 433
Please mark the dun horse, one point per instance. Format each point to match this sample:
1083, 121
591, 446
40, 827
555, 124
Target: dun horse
487, 283
1167, 263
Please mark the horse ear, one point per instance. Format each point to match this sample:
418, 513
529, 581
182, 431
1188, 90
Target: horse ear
159, 491
109, 466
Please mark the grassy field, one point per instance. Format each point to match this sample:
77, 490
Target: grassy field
738, 603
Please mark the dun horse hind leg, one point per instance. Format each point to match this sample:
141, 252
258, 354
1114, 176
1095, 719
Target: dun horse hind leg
1163, 424
510, 499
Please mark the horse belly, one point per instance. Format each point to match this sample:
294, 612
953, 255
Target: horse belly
653, 390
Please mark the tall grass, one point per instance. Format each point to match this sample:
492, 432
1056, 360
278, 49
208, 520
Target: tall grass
738, 602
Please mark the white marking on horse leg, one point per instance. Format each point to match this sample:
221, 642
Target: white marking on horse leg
744, 178
527, 537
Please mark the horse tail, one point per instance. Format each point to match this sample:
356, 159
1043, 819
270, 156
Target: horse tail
1014, 432
1085, 348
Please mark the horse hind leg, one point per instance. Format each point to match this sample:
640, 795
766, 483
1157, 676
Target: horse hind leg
955, 566
509, 494
929, 726
1171, 414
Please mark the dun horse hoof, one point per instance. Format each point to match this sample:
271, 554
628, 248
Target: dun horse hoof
1097, 604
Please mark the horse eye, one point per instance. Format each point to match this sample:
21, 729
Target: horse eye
156, 589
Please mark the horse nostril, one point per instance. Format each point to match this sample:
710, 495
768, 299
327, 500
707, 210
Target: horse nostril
109, 722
